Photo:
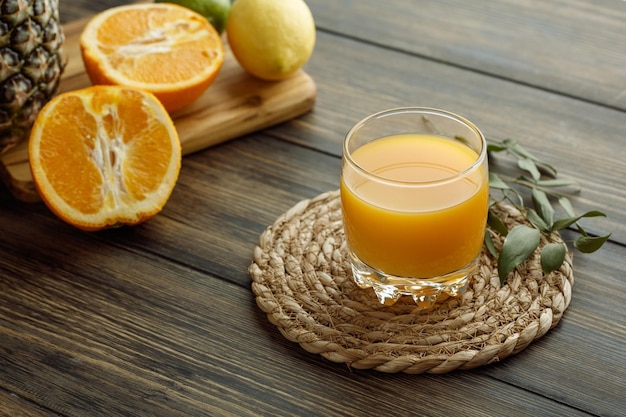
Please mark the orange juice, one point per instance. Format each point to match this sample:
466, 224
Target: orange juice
416, 217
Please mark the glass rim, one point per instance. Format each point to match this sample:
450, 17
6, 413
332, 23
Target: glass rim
482, 154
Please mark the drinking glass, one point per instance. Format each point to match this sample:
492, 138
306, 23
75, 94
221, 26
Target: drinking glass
415, 196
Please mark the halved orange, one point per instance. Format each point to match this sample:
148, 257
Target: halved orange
163, 48
104, 156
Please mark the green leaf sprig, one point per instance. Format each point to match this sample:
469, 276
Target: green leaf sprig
545, 186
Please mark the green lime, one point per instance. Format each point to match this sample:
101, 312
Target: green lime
215, 11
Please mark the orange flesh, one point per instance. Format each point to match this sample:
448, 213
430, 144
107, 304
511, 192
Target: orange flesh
107, 153
163, 48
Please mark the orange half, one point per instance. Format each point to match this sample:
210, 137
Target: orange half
166, 49
104, 156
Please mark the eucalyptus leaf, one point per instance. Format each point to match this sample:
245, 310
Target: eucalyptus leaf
528, 164
496, 182
496, 223
589, 244
567, 222
521, 151
519, 244
558, 182
543, 207
567, 205
552, 256
492, 147
509, 143
534, 218
490, 246
547, 167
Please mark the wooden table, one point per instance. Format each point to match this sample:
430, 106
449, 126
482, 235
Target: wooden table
160, 320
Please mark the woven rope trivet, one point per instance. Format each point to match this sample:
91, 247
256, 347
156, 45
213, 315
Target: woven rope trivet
302, 280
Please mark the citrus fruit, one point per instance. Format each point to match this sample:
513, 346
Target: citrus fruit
163, 48
271, 39
215, 11
104, 156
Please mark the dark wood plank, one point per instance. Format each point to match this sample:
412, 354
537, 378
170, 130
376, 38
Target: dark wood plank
574, 47
78, 9
121, 291
132, 335
224, 199
11, 405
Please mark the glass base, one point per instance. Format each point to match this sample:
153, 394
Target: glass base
425, 292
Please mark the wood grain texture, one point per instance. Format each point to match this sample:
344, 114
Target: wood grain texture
159, 319
168, 338
78, 9
573, 47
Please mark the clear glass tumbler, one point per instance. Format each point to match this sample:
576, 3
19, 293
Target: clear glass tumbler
415, 196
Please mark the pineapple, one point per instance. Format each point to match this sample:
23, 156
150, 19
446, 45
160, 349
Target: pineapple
31, 40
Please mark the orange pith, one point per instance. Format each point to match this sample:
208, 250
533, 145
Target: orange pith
164, 48
104, 156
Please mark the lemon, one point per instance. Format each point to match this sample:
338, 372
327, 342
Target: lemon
271, 39
215, 11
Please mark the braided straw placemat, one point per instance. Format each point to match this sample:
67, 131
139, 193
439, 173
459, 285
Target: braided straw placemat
302, 280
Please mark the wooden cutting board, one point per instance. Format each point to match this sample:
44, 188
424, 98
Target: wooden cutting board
236, 104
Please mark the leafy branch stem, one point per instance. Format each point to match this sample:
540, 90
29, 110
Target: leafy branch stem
544, 184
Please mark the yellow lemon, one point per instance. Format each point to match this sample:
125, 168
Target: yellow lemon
271, 39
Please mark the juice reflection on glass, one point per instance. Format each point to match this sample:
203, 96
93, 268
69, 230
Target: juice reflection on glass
414, 193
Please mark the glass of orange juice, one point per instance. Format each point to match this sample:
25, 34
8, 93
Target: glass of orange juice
415, 197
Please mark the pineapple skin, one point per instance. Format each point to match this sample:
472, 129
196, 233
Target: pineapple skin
31, 64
